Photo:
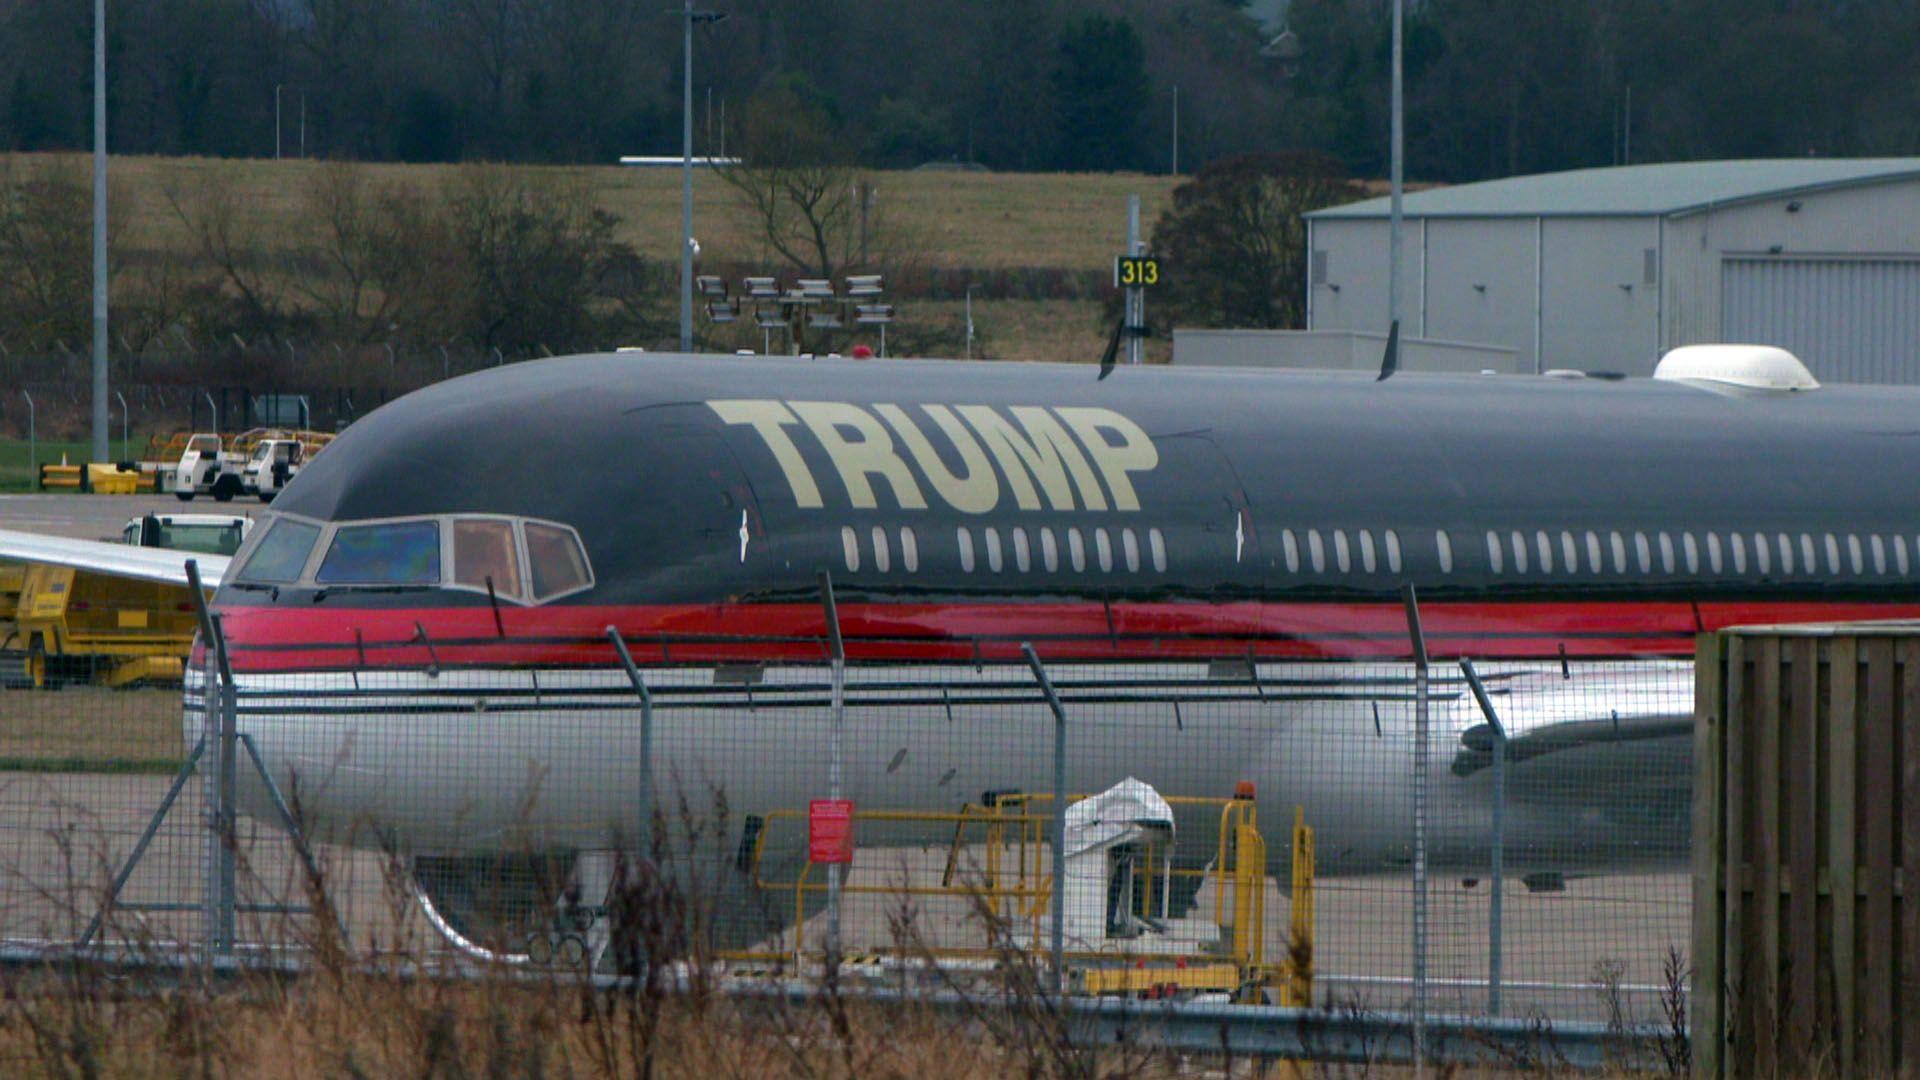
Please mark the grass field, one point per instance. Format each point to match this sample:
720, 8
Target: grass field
16, 459
952, 219
17, 470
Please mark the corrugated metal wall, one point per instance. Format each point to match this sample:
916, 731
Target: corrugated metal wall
1854, 320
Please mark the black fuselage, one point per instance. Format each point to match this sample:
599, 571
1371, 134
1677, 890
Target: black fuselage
1225, 509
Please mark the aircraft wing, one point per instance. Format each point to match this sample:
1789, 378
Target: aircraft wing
119, 560
1546, 713
1476, 749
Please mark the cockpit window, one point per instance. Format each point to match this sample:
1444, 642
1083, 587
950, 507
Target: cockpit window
484, 551
282, 553
556, 561
394, 553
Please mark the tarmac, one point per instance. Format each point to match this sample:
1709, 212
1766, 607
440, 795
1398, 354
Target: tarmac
101, 517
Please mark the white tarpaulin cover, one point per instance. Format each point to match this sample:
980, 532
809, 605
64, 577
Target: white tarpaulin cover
1115, 816
1122, 814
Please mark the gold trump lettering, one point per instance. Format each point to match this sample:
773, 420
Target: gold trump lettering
1043, 458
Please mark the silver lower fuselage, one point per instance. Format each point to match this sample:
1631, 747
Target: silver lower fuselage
481, 760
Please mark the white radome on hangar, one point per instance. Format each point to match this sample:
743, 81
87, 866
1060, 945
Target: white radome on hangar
1606, 269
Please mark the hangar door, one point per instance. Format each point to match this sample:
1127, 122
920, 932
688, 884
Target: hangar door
1851, 320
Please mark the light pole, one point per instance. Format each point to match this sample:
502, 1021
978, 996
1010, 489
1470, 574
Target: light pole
1396, 167
100, 421
277, 87
970, 289
689, 17
33, 440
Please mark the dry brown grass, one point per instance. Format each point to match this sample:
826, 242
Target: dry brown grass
970, 220
362, 1026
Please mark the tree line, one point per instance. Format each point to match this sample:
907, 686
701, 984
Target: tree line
1495, 87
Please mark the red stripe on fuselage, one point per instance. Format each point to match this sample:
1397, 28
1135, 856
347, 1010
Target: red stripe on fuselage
307, 638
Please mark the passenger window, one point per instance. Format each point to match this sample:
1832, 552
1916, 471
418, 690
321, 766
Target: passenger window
1569, 553
483, 550
1900, 555
1493, 552
1104, 549
882, 558
1786, 553
909, 550
282, 553
1544, 544
1593, 552
1366, 551
1739, 547
1291, 548
1022, 554
1130, 547
965, 537
401, 553
1713, 552
557, 561
1049, 551
1833, 554
1443, 544
1340, 557
1157, 545
1691, 551
1519, 552
1809, 562
1316, 552
1879, 554
850, 548
1762, 555
1643, 553
1853, 554
992, 538
1666, 553
1619, 545
1076, 550
1393, 551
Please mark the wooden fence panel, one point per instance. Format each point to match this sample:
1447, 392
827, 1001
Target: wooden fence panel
1806, 812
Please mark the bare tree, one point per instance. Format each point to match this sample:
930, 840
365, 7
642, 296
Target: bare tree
227, 244
1233, 244
45, 252
795, 182
372, 244
531, 248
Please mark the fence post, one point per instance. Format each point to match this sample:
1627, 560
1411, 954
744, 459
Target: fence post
1059, 820
33, 441
834, 870
1496, 902
646, 730
1420, 685
223, 856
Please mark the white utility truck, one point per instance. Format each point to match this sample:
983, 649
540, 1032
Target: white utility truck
206, 469
211, 534
274, 462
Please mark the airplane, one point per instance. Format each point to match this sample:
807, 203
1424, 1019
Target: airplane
420, 625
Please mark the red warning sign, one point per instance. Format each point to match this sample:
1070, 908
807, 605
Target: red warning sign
830, 831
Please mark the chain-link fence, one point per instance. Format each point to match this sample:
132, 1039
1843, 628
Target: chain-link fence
1520, 852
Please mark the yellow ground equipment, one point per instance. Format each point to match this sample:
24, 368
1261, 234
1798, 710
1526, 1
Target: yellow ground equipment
60, 625
63, 477
998, 870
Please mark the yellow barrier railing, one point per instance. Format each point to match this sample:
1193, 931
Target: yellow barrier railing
1015, 885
